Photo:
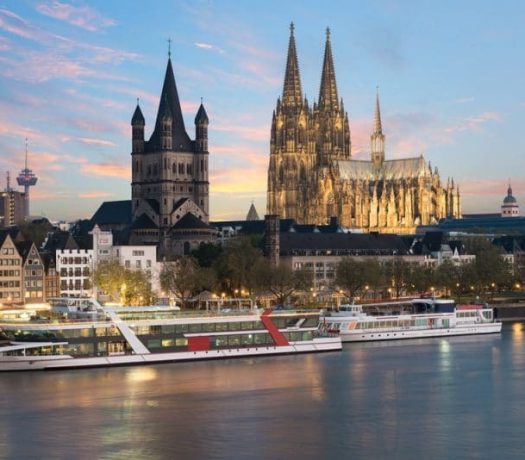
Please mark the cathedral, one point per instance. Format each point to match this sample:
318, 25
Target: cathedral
312, 176
170, 188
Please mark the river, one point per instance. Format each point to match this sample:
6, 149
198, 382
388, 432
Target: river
451, 398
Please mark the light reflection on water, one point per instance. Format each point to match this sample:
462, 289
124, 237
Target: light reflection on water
458, 397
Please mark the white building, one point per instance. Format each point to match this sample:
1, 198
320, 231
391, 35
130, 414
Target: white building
75, 267
134, 257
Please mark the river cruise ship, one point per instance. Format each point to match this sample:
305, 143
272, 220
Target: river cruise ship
429, 318
95, 336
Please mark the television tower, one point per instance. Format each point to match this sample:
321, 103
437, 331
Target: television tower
27, 179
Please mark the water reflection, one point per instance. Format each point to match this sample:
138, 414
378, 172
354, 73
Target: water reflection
438, 398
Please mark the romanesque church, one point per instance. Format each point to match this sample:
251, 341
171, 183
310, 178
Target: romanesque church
312, 176
170, 188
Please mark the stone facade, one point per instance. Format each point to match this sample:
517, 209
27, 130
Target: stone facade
312, 177
169, 171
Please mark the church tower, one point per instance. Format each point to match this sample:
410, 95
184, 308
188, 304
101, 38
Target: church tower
333, 134
169, 171
292, 155
377, 138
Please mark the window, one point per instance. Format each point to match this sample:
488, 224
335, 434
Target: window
138, 264
148, 263
137, 253
127, 264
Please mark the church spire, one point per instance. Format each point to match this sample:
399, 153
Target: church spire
292, 95
377, 119
328, 93
170, 97
377, 138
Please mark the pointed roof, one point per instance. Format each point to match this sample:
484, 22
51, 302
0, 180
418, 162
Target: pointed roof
170, 98
292, 94
378, 129
252, 213
328, 93
202, 116
138, 118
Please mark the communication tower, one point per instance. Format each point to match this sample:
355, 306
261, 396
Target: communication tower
26, 179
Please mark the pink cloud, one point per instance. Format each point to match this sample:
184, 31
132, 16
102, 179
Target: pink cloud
94, 194
491, 187
107, 170
254, 133
81, 16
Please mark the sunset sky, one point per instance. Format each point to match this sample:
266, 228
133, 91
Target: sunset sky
451, 78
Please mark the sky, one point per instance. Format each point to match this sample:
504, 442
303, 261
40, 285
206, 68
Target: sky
450, 76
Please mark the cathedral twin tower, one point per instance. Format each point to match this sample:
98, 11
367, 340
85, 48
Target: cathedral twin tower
312, 177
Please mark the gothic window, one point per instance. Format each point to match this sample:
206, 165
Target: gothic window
165, 164
174, 168
202, 165
188, 168
149, 170
181, 168
302, 174
281, 174
137, 166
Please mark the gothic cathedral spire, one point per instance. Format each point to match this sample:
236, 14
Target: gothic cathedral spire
328, 99
292, 94
377, 138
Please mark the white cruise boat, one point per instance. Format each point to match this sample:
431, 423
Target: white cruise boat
432, 318
93, 336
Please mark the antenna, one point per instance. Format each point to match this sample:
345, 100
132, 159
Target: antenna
27, 179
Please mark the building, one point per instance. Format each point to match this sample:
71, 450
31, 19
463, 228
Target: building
51, 278
12, 207
11, 277
510, 207
33, 272
133, 257
312, 176
170, 176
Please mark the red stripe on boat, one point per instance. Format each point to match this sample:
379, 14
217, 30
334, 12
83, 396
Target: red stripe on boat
201, 343
278, 338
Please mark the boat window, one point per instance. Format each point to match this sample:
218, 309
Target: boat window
168, 342
180, 328
154, 343
195, 327
181, 342
219, 327
235, 326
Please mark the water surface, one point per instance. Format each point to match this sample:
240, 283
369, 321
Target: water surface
453, 398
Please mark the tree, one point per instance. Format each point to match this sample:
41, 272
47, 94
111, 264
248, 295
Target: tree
130, 287
282, 281
207, 254
397, 274
352, 276
238, 265
446, 276
421, 279
180, 279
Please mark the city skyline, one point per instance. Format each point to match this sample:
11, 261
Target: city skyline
70, 75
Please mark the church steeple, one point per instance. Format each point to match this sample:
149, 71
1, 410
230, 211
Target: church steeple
170, 96
377, 138
292, 94
377, 119
328, 99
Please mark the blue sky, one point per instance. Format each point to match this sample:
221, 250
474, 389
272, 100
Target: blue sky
450, 76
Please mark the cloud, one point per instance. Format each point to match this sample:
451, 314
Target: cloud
107, 170
472, 123
253, 133
94, 141
94, 194
81, 16
207, 46
491, 187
